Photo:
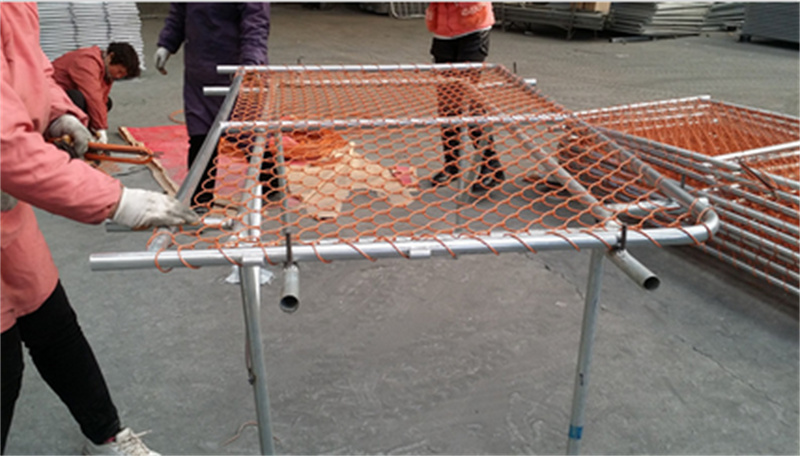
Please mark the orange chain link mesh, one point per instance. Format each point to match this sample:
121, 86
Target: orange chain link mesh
756, 196
350, 154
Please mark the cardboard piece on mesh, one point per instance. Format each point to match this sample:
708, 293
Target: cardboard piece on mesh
323, 170
322, 186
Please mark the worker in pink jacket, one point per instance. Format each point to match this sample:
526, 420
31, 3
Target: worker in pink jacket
461, 34
33, 306
87, 74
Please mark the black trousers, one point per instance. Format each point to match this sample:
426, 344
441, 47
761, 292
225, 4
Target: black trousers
204, 192
65, 361
469, 48
79, 100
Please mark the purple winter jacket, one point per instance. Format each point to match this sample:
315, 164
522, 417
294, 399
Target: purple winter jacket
215, 34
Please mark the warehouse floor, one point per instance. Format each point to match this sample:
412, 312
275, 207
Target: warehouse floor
468, 356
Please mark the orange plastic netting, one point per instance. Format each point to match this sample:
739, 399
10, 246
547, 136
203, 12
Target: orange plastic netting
351, 154
755, 188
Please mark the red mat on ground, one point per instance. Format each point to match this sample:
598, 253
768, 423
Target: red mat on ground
170, 145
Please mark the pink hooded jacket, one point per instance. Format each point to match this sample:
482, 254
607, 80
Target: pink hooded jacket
84, 69
34, 171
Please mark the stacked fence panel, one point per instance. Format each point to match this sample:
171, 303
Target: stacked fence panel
66, 26
659, 18
745, 161
777, 21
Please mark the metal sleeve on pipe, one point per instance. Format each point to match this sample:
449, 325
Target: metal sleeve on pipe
634, 269
290, 296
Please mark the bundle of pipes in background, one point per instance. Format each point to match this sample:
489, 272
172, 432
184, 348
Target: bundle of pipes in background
66, 26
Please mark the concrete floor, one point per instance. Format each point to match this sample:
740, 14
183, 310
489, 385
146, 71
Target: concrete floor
473, 356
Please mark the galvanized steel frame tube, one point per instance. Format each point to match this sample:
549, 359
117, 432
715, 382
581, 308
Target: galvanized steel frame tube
661, 159
754, 198
588, 329
763, 245
231, 69
790, 120
701, 163
667, 186
210, 143
549, 163
751, 213
755, 225
421, 248
249, 274
223, 90
645, 104
723, 256
762, 151
196, 172
755, 258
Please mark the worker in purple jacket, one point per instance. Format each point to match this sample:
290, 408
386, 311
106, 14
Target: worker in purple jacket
215, 34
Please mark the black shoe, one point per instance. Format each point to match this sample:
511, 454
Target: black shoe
270, 188
273, 195
444, 176
487, 182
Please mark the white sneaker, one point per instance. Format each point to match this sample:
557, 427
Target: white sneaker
125, 443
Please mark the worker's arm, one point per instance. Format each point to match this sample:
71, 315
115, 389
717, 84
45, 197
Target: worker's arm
171, 36
60, 102
174, 32
64, 117
38, 173
254, 28
34, 171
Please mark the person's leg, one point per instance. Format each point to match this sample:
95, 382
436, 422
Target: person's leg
65, 361
270, 184
475, 48
77, 99
449, 100
11, 371
204, 191
109, 105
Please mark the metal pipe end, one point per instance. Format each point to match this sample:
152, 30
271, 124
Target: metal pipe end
634, 269
290, 296
289, 303
651, 283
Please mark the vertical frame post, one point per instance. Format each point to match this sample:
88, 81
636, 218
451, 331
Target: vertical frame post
251, 300
585, 351
250, 273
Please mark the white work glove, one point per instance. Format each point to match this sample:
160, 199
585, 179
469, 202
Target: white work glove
102, 136
69, 125
139, 208
161, 57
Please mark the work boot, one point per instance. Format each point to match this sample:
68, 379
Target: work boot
271, 189
270, 184
450, 144
125, 443
491, 175
445, 176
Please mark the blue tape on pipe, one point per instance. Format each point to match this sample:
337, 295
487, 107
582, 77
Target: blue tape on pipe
575, 432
